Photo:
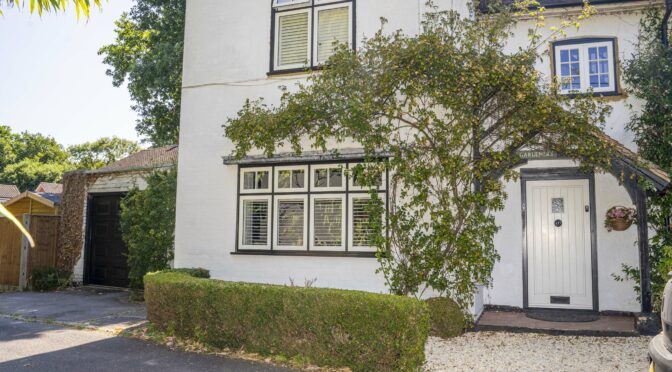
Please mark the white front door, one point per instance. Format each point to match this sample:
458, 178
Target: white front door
558, 244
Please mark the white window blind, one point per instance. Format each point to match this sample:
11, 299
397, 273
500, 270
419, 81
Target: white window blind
293, 39
255, 222
333, 28
361, 228
328, 222
290, 222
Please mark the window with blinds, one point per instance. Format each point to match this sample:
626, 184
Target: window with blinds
255, 223
328, 222
290, 229
333, 28
307, 32
362, 233
293, 39
308, 208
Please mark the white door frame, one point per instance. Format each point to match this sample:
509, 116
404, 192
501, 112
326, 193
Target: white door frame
554, 174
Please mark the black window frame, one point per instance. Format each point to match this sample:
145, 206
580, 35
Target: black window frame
589, 40
346, 192
312, 66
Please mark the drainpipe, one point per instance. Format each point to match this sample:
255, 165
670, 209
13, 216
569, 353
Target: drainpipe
664, 33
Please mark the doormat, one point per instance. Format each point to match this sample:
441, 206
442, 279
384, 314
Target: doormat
563, 315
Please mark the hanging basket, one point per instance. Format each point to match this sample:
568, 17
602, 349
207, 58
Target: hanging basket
620, 224
620, 218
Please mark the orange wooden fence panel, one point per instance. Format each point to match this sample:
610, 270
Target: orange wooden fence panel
10, 253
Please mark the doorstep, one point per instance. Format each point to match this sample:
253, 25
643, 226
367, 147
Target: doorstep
516, 321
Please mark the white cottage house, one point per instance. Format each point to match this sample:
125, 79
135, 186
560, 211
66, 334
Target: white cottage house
555, 252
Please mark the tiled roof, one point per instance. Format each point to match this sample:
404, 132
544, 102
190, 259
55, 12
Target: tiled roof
655, 174
54, 197
8, 191
145, 159
49, 187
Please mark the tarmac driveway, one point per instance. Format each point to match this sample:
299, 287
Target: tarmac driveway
44, 332
108, 310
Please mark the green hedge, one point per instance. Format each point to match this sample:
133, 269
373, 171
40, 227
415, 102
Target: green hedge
447, 319
327, 327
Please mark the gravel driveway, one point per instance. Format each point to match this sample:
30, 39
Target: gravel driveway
490, 351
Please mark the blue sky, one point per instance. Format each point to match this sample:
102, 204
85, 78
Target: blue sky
52, 80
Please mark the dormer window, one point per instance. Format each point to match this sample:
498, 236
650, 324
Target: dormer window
583, 65
306, 32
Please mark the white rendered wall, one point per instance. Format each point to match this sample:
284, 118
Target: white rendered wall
227, 49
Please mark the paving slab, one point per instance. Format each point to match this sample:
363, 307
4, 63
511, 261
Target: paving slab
605, 325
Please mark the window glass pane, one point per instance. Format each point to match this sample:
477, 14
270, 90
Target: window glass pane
570, 69
362, 233
564, 56
599, 67
574, 55
248, 180
262, 180
290, 222
298, 178
283, 179
321, 177
328, 222
333, 28
255, 222
293, 39
335, 177
603, 52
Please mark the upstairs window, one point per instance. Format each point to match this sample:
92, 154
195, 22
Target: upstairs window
306, 32
586, 65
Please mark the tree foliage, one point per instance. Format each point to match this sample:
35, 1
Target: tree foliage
147, 54
104, 151
449, 109
148, 225
41, 6
649, 77
26, 159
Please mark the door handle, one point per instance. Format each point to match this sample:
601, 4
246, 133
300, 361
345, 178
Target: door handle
587, 208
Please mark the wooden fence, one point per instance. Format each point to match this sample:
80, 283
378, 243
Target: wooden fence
17, 258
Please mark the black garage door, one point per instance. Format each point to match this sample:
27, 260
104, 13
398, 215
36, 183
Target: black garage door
107, 251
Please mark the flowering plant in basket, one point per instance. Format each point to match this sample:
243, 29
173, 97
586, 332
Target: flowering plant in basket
620, 218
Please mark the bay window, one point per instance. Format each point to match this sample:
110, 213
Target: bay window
305, 209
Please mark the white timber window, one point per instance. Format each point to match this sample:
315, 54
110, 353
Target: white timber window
306, 209
361, 233
328, 222
306, 33
585, 65
255, 221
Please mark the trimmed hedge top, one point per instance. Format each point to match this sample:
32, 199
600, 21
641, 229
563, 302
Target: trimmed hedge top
329, 327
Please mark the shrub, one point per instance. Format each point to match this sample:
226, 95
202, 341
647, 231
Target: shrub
196, 272
446, 318
360, 330
148, 225
48, 279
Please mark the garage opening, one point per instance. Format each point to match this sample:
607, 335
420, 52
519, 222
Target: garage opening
107, 252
